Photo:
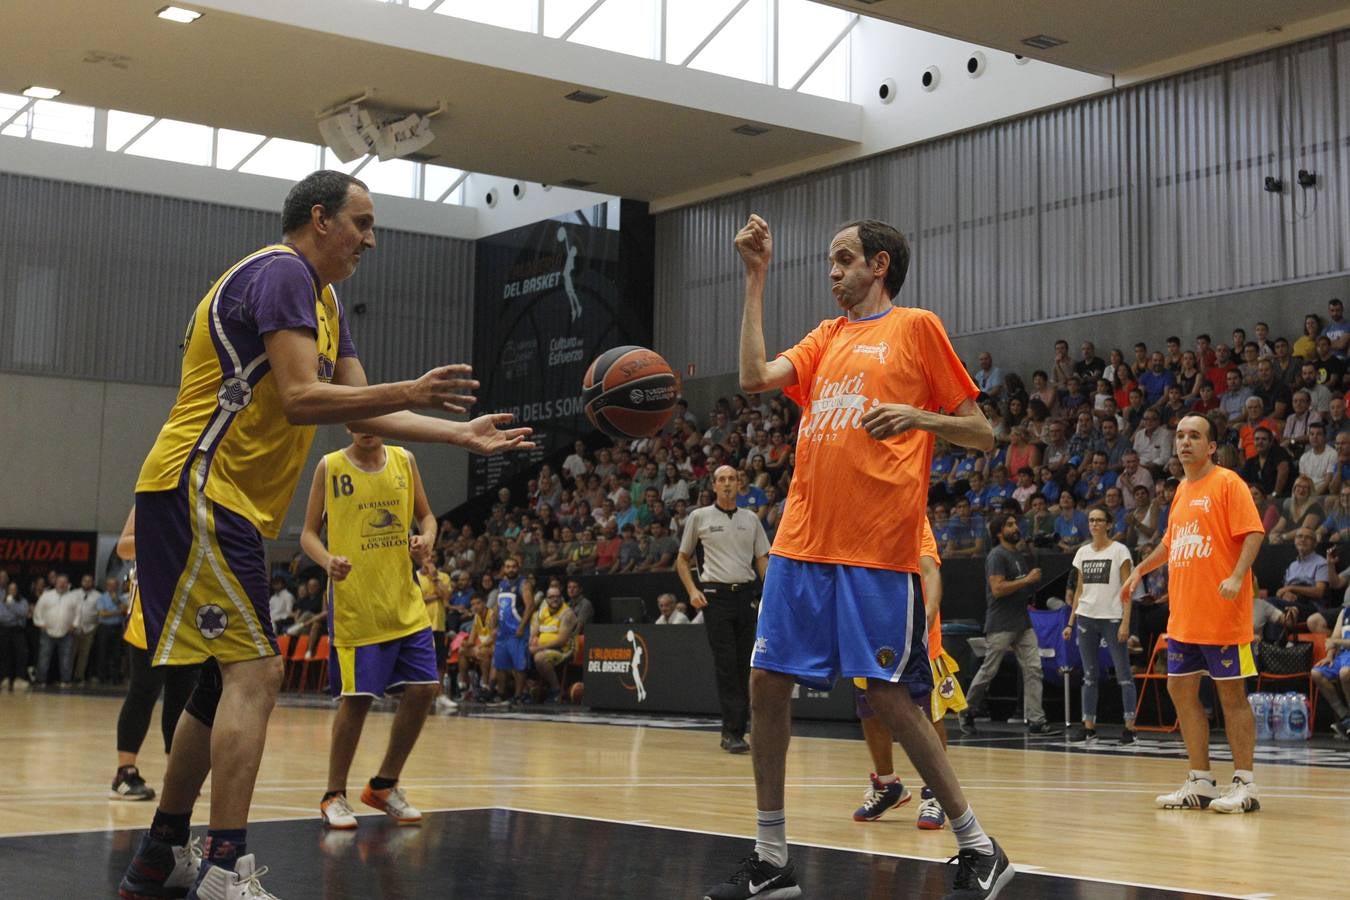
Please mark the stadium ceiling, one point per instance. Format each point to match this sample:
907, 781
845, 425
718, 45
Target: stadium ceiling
1131, 40
269, 68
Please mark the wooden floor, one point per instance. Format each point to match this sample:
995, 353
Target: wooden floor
1087, 815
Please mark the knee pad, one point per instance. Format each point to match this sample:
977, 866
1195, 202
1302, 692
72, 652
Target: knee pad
206, 695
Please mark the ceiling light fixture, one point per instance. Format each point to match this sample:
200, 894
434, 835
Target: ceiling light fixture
178, 14
41, 93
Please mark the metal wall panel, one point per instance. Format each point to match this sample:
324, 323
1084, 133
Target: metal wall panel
1148, 195
100, 283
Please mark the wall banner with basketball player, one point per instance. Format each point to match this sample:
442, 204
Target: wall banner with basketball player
548, 299
28, 552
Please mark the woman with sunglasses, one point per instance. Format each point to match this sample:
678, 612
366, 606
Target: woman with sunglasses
1098, 614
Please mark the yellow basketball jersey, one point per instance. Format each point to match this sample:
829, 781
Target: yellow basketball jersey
134, 632
549, 626
369, 515
484, 629
435, 611
228, 407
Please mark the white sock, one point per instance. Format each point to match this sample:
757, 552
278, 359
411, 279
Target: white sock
771, 837
969, 834
1243, 775
1206, 775
887, 779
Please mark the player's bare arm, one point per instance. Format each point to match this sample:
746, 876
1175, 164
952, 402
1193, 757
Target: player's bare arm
754, 243
337, 567
967, 427
1146, 565
484, 435
292, 354
421, 543
1251, 545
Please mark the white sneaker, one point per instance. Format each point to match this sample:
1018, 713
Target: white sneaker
186, 861
1195, 793
337, 813
392, 803
1239, 797
445, 706
242, 884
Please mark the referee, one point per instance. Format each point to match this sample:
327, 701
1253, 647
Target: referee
735, 547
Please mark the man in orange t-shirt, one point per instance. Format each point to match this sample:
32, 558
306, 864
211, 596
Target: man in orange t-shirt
1213, 535
875, 386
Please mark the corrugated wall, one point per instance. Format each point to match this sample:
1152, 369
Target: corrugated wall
1148, 195
99, 283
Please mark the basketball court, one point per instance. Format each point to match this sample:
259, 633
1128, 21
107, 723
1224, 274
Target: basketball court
577, 804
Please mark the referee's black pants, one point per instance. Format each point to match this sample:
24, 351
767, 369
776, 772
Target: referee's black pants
730, 621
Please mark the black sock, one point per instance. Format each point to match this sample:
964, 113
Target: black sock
382, 784
223, 848
171, 828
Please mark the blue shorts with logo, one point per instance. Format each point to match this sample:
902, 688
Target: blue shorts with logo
820, 621
385, 668
511, 653
1219, 661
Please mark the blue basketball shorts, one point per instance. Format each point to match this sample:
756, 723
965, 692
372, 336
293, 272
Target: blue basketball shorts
820, 621
511, 653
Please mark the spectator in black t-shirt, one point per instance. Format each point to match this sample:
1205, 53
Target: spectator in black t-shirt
1091, 366
1330, 368
1272, 467
1274, 394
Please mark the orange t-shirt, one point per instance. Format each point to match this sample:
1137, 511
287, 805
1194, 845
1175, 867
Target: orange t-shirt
928, 547
855, 500
1209, 519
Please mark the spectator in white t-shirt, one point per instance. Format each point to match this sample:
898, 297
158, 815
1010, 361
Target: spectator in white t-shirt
669, 614
1102, 565
281, 605
1318, 462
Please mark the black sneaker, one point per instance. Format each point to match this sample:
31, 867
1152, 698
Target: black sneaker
1081, 734
758, 879
1341, 729
129, 785
966, 719
1127, 737
1043, 728
733, 744
980, 875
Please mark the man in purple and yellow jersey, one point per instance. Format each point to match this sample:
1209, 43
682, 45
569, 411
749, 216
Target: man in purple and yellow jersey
267, 356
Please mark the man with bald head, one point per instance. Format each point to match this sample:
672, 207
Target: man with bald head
735, 548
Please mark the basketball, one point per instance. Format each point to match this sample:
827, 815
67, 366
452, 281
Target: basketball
577, 692
629, 392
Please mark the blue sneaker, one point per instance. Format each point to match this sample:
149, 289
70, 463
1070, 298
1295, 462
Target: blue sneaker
160, 870
880, 798
931, 816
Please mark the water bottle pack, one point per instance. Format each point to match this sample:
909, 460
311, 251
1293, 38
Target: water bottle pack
1280, 717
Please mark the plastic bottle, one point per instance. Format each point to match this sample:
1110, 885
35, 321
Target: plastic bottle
1281, 728
1298, 718
1260, 703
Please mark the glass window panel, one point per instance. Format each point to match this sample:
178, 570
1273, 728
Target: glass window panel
741, 50
233, 146
518, 15
397, 177
437, 179
280, 158
330, 161
805, 29
63, 123
832, 78
624, 26
688, 22
123, 126
175, 141
559, 15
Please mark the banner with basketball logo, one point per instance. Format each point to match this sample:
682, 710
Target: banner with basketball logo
548, 299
